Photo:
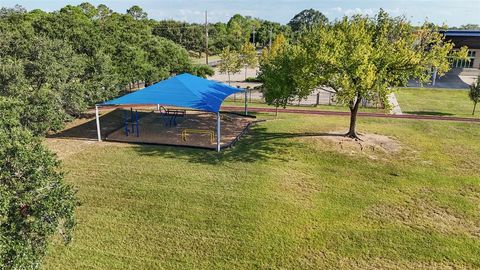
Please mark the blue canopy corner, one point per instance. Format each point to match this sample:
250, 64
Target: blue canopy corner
185, 90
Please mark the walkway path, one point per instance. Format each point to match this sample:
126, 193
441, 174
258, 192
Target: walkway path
392, 99
366, 114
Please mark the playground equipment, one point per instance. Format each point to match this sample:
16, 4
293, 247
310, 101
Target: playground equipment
169, 116
185, 132
181, 91
133, 121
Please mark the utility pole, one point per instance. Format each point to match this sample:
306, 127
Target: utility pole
253, 32
270, 39
206, 38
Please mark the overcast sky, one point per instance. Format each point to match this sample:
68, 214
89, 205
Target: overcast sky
451, 12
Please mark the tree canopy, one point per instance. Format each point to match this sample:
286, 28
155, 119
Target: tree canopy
363, 58
59, 63
137, 13
248, 56
230, 62
306, 19
35, 203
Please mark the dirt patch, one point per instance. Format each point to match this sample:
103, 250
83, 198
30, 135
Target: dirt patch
381, 263
424, 213
330, 260
65, 148
372, 145
81, 133
369, 141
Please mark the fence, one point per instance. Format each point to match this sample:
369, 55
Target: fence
318, 97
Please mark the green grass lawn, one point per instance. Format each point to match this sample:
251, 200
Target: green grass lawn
260, 104
201, 60
281, 199
435, 102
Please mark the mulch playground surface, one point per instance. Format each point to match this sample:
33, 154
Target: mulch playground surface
366, 114
152, 130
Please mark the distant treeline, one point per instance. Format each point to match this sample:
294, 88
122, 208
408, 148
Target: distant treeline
56, 64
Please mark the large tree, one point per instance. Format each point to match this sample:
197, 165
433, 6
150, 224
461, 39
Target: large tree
364, 58
35, 203
280, 77
137, 13
190, 36
268, 31
59, 63
306, 19
269, 54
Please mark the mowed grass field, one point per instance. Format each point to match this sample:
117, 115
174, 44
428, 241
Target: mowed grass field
451, 102
282, 198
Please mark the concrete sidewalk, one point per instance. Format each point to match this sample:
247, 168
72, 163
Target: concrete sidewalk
395, 107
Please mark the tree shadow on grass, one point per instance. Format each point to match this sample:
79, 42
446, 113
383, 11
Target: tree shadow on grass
110, 122
256, 145
429, 113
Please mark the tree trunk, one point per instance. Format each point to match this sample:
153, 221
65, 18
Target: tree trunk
352, 133
474, 107
246, 73
229, 83
276, 110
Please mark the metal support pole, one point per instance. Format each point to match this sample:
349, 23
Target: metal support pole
218, 131
246, 102
158, 107
253, 38
206, 38
98, 124
270, 39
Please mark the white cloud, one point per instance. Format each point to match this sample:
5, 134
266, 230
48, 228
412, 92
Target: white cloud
394, 11
337, 9
365, 11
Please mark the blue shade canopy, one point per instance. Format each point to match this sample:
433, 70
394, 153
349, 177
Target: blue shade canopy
183, 90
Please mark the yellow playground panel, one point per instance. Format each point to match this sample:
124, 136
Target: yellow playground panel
185, 132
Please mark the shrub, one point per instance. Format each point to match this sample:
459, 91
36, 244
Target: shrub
253, 79
202, 71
